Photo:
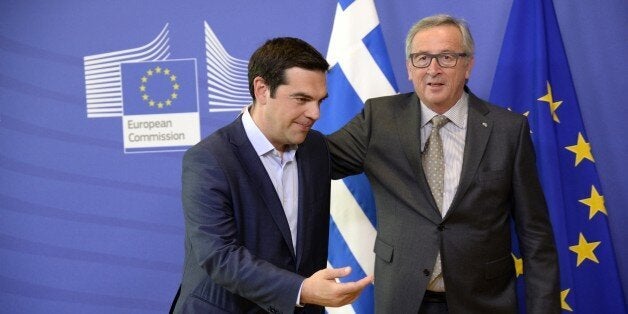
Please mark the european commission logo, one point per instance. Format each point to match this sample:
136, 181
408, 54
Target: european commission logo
157, 97
160, 105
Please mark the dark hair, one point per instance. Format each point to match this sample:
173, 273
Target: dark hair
271, 60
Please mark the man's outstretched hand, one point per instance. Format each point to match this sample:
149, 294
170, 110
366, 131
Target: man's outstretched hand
323, 289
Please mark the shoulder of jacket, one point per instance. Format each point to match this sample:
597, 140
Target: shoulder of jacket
392, 98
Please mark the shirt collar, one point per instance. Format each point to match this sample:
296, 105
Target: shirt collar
259, 141
456, 114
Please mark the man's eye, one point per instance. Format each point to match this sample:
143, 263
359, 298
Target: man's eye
446, 57
421, 57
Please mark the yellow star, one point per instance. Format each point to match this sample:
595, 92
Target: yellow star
144, 79
151, 103
585, 250
145, 97
158, 70
175, 86
563, 300
143, 88
582, 149
550, 100
595, 203
149, 72
167, 71
173, 77
174, 95
518, 264
160, 105
168, 102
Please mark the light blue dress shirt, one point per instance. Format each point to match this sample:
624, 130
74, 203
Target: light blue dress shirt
282, 170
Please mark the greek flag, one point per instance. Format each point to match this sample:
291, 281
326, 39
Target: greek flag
360, 69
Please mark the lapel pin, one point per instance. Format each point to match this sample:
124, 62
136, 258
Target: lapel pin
485, 124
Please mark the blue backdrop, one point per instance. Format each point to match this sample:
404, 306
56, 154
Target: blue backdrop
87, 226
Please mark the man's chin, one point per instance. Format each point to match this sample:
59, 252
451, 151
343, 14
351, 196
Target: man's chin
298, 139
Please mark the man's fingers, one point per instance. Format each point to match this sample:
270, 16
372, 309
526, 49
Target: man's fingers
355, 286
323, 288
365, 281
333, 273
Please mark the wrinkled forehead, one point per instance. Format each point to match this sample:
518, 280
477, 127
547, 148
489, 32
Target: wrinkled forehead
436, 39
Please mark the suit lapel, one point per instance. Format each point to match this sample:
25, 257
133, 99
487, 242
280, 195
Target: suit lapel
304, 170
409, 133
256, 172
479, 127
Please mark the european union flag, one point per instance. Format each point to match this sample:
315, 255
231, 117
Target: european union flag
533, 78
158, 87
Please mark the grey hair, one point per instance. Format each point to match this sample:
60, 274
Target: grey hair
438, 20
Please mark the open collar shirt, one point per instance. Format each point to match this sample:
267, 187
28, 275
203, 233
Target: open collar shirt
282, 170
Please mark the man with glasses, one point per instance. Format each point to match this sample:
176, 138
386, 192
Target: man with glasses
450, 172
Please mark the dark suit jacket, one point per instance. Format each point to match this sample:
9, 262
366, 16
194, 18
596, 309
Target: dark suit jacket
498, 183
239, 256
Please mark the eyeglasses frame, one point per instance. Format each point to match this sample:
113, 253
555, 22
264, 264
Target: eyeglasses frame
436, 56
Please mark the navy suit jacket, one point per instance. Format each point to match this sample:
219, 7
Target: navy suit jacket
239, 256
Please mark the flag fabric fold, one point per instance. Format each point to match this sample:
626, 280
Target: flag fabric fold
533, 78
360, 69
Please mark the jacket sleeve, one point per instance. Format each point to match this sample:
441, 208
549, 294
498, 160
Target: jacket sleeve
348, 145
534, 231
212, 232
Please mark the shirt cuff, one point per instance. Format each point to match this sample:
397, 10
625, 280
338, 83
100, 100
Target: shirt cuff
298, 303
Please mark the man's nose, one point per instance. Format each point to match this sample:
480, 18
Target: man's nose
434, 67
313, 110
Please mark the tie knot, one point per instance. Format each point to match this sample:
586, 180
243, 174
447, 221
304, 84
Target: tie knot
438, 121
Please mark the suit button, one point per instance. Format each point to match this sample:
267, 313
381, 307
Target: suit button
426, 272
441, 227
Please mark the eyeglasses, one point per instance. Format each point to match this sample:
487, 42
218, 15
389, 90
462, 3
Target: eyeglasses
445, 60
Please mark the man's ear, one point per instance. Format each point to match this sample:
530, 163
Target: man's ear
409, 68
471, 62
261, 90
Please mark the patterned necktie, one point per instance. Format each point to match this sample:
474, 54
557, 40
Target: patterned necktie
434, 168
434, 162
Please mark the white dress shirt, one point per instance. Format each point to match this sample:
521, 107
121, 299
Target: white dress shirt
282, 170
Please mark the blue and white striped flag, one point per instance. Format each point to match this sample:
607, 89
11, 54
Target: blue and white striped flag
360, 69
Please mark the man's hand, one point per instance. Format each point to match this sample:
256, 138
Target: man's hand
323, 289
